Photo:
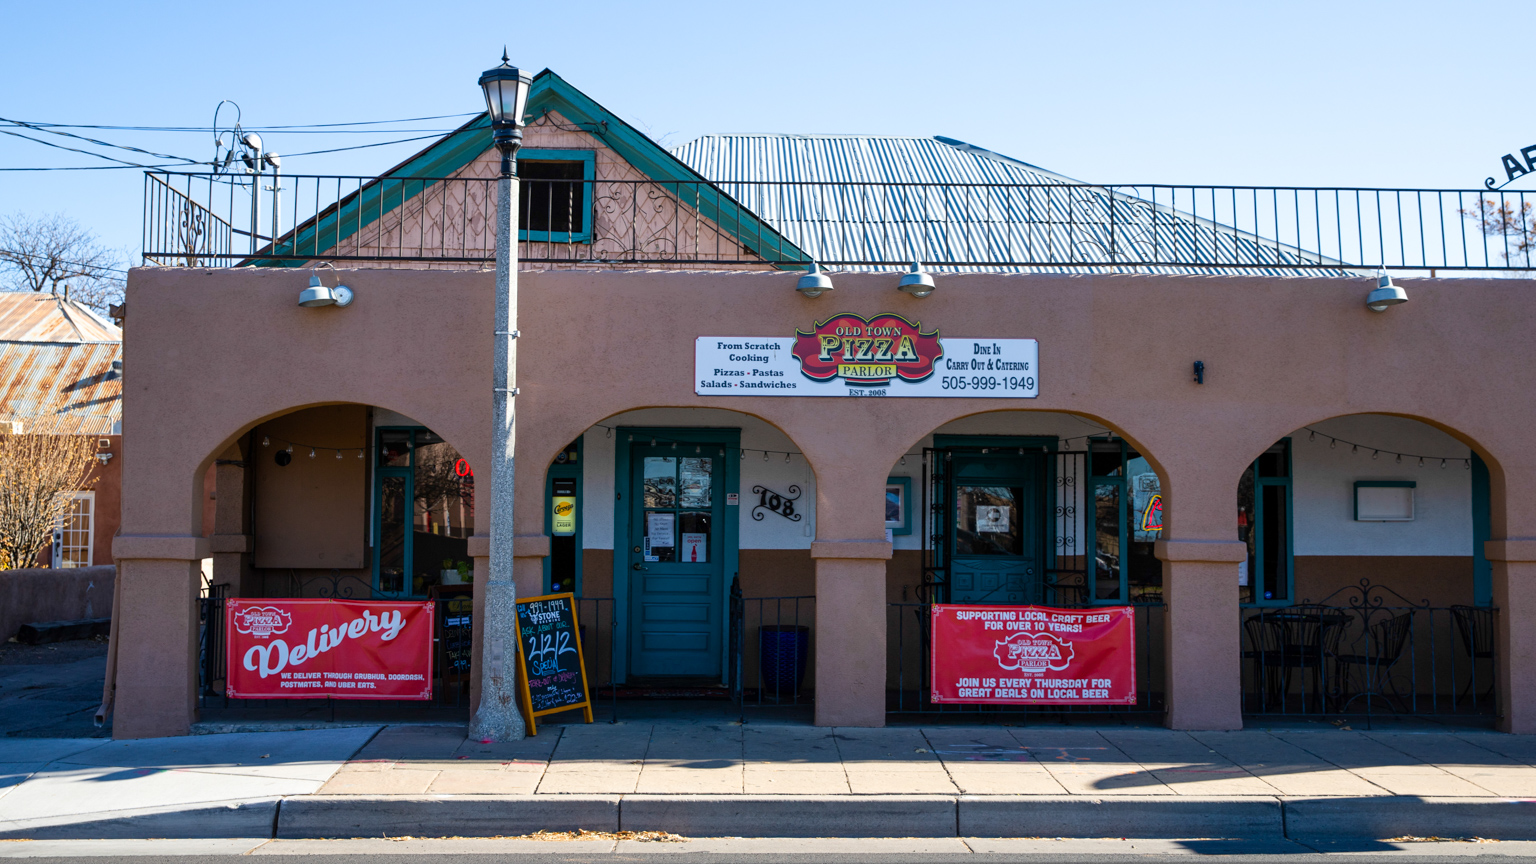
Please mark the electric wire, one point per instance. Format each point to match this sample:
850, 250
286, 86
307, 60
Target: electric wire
97, 142
19, 253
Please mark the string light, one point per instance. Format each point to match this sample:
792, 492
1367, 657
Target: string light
743, 455
359, 454
1376, 452
903, 460
338, 454
786, 458
1442, 464
765, 455
311, 452
265, 441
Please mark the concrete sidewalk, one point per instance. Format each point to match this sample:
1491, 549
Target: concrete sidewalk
705, 780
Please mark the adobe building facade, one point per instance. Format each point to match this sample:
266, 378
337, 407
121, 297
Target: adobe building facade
1297, 374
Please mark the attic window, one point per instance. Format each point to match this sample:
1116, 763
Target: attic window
555, 195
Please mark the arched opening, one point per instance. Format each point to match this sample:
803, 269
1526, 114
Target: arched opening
340, 502
1015, 508
685, 535
1365, 590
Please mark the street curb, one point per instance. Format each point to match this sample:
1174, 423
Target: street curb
1403, 815
326, 816
1140, 816
230, 819
791, 815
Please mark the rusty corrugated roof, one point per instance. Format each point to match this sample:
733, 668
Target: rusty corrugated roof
69, 389
26, 316
56, 366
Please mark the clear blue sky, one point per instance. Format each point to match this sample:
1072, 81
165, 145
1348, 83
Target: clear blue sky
1319, 94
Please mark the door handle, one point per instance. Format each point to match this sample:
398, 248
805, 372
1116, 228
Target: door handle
640, 567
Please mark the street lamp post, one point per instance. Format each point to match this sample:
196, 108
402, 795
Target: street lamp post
497, 718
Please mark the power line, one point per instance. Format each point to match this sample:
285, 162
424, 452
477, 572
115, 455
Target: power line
124, 162
19, 253
251, 129
97, 142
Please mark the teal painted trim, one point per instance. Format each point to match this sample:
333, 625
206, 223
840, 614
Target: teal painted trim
1260, 579
728, 438
566, 470
1482, 532
588, 160
906, 504
1123, 529
1046, 443
457, 149
966, 442
408, 474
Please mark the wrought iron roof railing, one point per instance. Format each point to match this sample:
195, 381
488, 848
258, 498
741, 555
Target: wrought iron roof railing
207, 220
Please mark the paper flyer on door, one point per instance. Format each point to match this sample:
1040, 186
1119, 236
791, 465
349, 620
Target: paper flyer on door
1033, 655
304, 649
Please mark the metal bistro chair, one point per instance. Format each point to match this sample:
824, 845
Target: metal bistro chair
1299, 638
1478, 635
1385, 641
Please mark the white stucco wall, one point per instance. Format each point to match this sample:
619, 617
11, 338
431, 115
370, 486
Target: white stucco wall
772, 532
1323, 479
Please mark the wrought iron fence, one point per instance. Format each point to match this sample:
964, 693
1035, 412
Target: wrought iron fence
1366, 650
452, 642
909, 647
771, 649
222, 220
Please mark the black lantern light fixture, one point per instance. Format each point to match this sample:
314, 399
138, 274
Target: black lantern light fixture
506, 97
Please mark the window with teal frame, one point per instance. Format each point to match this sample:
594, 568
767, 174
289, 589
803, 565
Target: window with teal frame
1265, 523
1125, 507
555, 195
423, 511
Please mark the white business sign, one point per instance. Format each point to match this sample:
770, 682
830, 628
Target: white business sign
971, 368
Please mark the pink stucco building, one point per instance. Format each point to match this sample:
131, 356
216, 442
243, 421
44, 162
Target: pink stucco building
1139, 396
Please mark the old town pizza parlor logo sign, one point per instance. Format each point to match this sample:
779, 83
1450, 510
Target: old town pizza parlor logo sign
867, 351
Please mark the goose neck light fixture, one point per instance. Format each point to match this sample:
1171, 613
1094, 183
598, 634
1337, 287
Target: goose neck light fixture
319, 295
916, 282
1385, 295
814, 283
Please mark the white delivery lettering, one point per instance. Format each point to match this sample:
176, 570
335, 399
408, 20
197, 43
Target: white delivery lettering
276, 656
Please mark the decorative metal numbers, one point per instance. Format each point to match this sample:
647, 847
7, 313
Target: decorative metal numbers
767, 499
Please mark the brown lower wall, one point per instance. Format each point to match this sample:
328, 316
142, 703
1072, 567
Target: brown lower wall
45, 594
1440, 580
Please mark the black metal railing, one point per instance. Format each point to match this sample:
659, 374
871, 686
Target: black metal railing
772, 655
1368, 651
222, 220
909, 647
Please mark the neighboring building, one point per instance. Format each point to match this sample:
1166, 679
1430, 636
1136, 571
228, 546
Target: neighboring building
61, 369
1214, 430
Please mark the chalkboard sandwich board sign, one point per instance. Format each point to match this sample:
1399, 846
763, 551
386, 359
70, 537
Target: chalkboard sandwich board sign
549, 649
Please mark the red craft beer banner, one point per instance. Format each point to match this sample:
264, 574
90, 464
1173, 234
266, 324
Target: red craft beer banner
1034, 655
302, 649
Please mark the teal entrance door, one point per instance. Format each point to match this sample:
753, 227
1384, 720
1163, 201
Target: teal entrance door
996, 528
677, 554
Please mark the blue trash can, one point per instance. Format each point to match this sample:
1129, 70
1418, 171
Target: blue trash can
783, 651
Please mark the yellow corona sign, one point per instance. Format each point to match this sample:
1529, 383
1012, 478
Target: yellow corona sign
564, 522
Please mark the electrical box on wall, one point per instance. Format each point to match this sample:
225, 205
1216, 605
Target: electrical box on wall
1384, 500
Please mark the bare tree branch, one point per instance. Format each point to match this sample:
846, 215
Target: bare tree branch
38, 470
50, 252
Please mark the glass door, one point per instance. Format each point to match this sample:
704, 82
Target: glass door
995, 529
676, 561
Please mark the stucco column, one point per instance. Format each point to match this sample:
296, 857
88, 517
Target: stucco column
230, 544
156, 623
1201, 644
850, 631
1514, 593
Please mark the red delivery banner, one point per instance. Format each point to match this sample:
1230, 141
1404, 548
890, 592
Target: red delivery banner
303, 649
1034, 655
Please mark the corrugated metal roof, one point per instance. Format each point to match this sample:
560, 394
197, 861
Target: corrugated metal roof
1037, 216
66, 388
27, 316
